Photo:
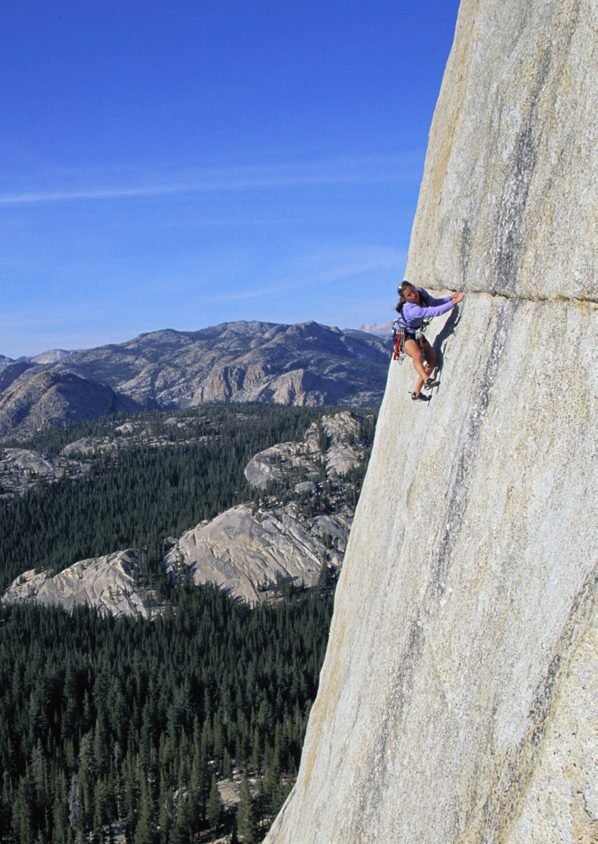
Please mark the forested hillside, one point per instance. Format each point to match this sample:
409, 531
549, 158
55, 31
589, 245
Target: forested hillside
149, 480
135, 720
127, 726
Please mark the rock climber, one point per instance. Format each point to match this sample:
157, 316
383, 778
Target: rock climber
415, 306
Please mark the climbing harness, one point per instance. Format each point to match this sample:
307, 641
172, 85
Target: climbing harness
398, 341
399, 329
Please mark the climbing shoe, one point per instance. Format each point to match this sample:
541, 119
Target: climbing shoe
419, 397
432, 382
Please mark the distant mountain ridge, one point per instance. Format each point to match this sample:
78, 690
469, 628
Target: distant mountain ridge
303, 364
51, 356
380, 329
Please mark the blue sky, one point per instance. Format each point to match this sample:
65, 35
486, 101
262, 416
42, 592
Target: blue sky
185, 163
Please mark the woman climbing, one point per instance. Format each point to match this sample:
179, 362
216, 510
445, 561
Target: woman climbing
415, 306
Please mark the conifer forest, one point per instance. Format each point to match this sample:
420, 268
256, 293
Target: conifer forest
122, 730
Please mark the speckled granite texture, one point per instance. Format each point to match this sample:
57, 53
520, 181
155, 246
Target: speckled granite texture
458, 701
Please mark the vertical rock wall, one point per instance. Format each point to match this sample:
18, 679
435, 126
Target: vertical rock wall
459, 695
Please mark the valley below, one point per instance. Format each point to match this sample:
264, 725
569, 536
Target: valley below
167, 586
297, 521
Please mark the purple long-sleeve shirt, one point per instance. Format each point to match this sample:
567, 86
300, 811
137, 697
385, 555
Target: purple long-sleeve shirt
414, 314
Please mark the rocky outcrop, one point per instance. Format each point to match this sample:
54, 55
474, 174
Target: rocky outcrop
335, 445
36, 400
246, 550
21, 469
51, 356
110, 584
302, 365
458, 701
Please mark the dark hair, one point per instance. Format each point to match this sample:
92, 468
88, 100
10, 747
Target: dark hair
401, 291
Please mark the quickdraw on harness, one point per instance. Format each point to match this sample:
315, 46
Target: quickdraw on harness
398, 340
399, 328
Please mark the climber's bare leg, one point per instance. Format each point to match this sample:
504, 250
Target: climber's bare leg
415, 353
431, 361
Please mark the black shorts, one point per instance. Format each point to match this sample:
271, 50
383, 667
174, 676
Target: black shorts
410, 335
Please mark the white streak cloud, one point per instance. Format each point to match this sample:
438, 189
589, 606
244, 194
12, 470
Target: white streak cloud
382, 170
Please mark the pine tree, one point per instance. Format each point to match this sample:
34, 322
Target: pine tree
75, 809
5, 804
86, 777
215, 806
198, 787
145, 831
61, 831
181, 830
166, 809
246, 821
227, 768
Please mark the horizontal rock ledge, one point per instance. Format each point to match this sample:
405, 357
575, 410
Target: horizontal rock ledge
470, 291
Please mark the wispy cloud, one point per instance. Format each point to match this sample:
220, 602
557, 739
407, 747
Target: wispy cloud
321, 269
367, 170
342, 285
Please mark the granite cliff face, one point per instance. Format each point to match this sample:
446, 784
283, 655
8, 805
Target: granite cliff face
459, 696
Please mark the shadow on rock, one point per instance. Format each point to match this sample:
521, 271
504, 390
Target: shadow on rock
448, 329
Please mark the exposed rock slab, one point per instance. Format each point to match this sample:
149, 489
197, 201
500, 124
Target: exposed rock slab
457, 701
562, 798
110, 584
508, 199
463, 604
89, 446
341, 452
245, 550
21, 469
50, 356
